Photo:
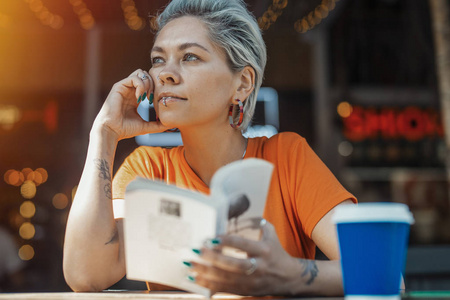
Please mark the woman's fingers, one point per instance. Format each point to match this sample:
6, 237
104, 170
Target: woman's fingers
119, 112
227, 262
264, 269
218, 279
141, 81
251, 247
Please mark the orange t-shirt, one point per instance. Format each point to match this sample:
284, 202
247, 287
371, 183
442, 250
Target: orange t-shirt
301, 192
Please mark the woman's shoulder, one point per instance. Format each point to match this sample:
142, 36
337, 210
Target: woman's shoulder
143, 153
283, 139
279, 145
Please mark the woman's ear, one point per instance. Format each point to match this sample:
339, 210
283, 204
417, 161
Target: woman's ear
246, 83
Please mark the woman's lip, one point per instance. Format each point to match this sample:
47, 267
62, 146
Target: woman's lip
171, 99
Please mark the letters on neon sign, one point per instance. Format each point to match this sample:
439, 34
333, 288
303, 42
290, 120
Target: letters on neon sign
410, 123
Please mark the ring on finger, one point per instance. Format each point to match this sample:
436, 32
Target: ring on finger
252, 268
143, 77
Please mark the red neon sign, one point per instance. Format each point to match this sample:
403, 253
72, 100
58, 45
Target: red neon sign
411, 123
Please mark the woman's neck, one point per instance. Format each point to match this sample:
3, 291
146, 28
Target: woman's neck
208, 150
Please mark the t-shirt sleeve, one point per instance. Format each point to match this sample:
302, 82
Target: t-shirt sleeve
316, 189
143, 162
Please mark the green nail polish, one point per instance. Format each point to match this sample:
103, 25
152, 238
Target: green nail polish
150, 99
216, 241
187, 264
143, 97
139, 99
191, 278
197, 251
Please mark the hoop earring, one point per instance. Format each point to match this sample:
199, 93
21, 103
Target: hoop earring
241, 115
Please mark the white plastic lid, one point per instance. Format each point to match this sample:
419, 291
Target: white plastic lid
373, 212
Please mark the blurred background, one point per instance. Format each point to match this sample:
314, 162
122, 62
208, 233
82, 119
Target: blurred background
356, 78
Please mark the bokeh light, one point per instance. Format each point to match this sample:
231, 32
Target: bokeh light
130, 13
9, 114
60, 201
345, 148
28, 189
44, 15
14, 177
27, 231
85, 16
43, 173
37, 178
26, 252
344, 109
28, 173
27, 209
17, 178
316, 16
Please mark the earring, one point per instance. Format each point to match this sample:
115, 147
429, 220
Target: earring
241, 114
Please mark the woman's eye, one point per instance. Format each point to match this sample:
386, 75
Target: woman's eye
157, 60
190, 57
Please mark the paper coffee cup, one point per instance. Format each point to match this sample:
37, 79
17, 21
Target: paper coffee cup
373, 239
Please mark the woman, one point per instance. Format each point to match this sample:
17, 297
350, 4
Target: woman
208, 57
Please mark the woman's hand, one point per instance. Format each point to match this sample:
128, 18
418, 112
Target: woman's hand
119, 112
268, 270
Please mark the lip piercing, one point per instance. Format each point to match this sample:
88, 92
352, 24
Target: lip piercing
164, 101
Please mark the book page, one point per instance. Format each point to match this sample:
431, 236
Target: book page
244, 184
161, 229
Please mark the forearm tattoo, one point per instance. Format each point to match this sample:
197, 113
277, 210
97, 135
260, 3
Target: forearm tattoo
105, 173
310, 269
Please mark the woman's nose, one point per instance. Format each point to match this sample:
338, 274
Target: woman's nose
169, 76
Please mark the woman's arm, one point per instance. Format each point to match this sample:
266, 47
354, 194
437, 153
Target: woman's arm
276, 272
93, 252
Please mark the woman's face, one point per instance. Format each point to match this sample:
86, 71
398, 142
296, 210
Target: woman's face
194, 78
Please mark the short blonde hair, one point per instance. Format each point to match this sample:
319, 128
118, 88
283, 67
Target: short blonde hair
234, 29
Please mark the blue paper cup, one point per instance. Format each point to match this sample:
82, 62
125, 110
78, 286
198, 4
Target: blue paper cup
373, 240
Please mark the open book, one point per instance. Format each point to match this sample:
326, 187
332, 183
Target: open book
163, 223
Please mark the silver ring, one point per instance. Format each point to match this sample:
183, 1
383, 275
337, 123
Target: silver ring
253, 267
143, 77
262, 223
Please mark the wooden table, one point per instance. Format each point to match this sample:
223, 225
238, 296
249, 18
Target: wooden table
131, 295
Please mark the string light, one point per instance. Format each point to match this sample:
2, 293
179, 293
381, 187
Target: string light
28, 189
27, 209
132, 18
44, 15
272, 13
316, 16
27, 231
17, 178
85, 16
14, 177
26, 252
